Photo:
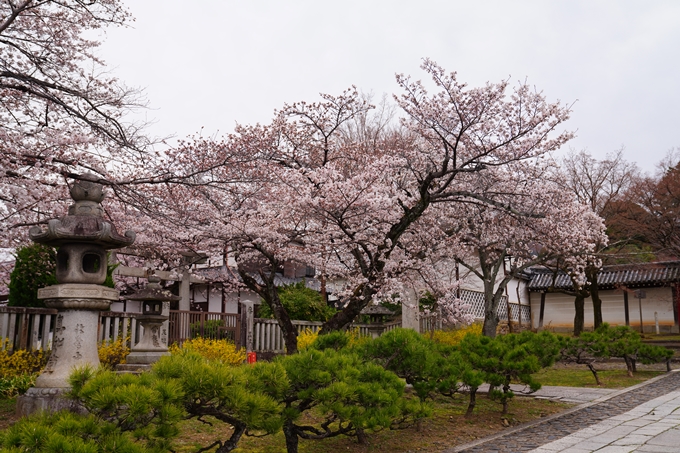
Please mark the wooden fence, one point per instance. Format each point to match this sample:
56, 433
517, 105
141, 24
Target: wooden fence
26, 328
267, 335
31, 328
183, 325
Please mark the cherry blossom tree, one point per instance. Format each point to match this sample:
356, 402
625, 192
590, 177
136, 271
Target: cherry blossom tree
602, 185
360, 211
62, 114
546, 223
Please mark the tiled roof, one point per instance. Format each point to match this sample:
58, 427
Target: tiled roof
628, 275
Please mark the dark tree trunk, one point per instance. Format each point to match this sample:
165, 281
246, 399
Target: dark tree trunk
629, 365
287, 328
594, 371
362, 439
490, 324
268, 291
490, 311
232, 443
473, 402
506, 390
579, 305
358, 301
291, 437
595, 295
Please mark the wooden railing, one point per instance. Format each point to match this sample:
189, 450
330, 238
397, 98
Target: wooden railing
26, 328
114, 325
183, 325
267, 335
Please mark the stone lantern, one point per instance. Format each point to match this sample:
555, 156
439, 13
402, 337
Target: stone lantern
82, 238
155, 304
377, 315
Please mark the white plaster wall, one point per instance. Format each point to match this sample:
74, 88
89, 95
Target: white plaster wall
559, 310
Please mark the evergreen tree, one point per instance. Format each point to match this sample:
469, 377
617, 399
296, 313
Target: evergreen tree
35, 268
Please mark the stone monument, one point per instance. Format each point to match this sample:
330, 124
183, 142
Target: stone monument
155, 308
82, 238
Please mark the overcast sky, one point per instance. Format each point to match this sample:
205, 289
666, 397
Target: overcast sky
210, 64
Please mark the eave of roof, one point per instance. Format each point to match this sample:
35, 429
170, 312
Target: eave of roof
642, 275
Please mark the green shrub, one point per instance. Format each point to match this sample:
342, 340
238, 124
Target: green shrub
301, 303
12, 386
34, 268
211, 329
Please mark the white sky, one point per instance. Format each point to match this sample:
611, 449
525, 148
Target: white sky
210, 64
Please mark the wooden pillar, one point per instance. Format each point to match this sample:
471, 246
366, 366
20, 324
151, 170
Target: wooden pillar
625, 307
676, 302
542, 311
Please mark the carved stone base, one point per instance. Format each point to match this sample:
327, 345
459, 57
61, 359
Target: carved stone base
74, 346
145, 357
135, 368
45, 400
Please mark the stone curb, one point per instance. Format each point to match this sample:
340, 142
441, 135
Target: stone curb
549, 418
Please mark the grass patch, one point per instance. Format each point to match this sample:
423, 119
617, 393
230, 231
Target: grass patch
611, 379
7, 412
445, 429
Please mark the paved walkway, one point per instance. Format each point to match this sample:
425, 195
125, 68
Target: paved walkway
642, 418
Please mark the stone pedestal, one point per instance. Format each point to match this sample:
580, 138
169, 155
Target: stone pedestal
151, 347
74, 342
409, 311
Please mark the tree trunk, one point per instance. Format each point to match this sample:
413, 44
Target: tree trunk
287, 328
473, 402
579, 305
270, 294
232, 443
357, 302
291, 437
490, 313
629, 365
594, 371
362, 439
595, 295
506, 389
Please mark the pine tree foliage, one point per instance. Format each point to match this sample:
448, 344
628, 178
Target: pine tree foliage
246, 398
427, 366
68, 432
146, 406
509, 358
350, 394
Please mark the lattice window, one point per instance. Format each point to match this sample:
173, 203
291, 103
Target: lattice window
476, 301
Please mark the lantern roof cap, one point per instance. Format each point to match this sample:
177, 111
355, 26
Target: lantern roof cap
153, 292
84, 222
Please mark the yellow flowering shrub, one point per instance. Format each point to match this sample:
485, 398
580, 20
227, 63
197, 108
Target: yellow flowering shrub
453, 337
220, 350
21, 361
305, 338
111, 353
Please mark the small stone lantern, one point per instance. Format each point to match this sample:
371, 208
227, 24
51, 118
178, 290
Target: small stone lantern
155, 302
82, 238
377, 315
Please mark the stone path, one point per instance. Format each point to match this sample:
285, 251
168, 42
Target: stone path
644, 418
565, 394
